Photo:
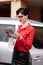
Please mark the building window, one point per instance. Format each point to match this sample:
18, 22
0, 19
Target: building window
5, 9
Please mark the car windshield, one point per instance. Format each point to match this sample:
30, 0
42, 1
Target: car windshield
2, 32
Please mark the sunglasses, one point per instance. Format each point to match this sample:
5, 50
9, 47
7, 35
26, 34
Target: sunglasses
20, 16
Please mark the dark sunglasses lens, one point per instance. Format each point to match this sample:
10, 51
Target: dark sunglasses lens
20, 16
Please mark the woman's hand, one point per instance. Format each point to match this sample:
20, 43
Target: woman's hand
7, 34
17, 35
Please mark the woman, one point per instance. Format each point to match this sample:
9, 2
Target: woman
25, 36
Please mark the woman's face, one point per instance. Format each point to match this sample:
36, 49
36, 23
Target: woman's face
22, 18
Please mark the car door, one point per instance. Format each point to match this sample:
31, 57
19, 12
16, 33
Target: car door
36, 56
37, 48
6, 50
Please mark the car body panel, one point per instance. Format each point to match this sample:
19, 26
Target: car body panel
5, 52
37, 56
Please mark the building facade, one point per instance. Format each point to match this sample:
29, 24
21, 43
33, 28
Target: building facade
12, 5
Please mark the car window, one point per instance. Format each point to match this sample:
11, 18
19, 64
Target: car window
38, 40
2, 32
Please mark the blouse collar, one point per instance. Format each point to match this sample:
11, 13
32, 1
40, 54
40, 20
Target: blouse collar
25, 24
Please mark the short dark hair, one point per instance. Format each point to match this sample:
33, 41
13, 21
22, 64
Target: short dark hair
23, 11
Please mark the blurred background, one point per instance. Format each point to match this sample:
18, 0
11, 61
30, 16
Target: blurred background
8, 8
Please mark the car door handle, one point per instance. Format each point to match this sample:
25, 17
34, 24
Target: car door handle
37, 58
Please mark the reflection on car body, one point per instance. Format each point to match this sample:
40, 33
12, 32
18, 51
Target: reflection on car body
6, 44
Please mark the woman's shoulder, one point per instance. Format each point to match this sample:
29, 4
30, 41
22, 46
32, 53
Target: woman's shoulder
30, 27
